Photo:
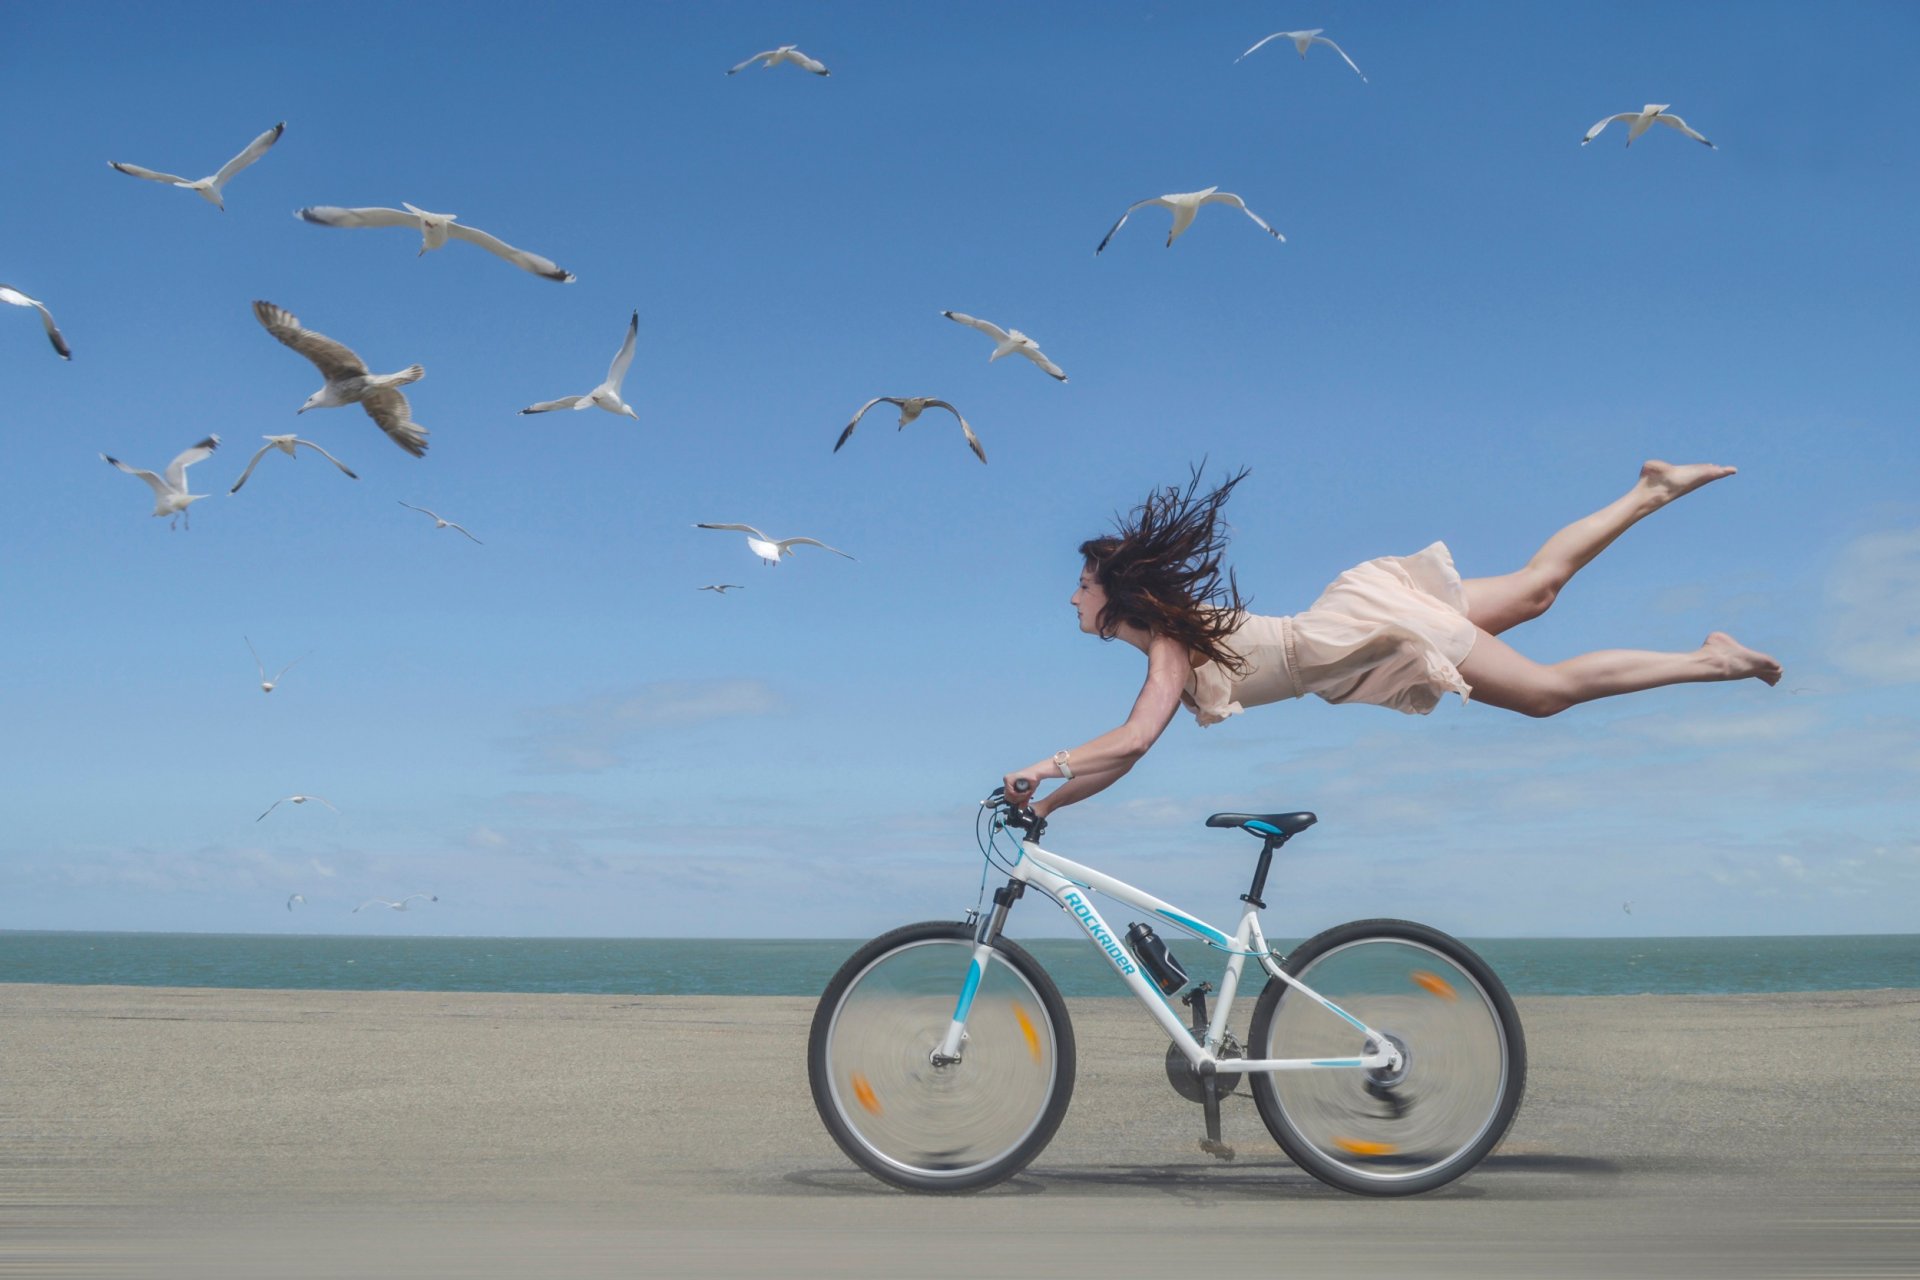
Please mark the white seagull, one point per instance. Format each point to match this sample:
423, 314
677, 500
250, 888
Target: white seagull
607, 394
438, 523
771, 549
1642, 120
266, 685
170, 496
397, 906
1184, 207
209, 187
285, 444
348, 381
1301, 39
785, 53
434, 229
912, 407
295, 800
721, 588
1008, 342
10, 294
293, 898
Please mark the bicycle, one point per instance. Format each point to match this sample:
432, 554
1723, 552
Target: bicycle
1384, 1056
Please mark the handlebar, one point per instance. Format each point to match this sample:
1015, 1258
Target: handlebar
1020, 817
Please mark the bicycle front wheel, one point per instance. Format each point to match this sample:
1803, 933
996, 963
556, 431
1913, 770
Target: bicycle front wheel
929, 1126
1386, 1132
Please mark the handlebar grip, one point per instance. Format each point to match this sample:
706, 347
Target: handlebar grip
1022, 785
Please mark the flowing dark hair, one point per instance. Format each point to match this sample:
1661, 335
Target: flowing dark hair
1161, 570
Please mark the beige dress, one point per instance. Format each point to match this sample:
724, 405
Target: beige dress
1391, 632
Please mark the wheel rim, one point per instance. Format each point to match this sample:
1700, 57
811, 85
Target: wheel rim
945, 1122
1447, 1096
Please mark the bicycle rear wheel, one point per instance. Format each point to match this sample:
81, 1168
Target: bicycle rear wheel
927, 1127
1378, 1132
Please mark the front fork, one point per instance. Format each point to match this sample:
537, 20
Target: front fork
985, 933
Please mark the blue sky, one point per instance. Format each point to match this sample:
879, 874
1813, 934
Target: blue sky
1475, 331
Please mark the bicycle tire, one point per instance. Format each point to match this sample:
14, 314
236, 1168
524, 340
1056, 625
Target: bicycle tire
951, 1128
1453, 1101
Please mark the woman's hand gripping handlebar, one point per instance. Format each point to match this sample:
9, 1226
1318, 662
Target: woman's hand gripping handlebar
1014, 811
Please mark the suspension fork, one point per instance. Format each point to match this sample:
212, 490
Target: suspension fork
985, 934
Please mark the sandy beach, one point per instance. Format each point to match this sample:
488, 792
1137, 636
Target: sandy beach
148, 1132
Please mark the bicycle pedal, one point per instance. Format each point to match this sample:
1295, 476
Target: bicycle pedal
1218, 1150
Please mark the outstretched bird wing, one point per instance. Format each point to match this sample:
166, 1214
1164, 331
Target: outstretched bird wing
973, 441
10, 294
1128, 214
335, 360
617, 371
533, 262
847, 434
151, 175
177, 469
810, 542
254, 150
1227, 197
987, 327
393, 415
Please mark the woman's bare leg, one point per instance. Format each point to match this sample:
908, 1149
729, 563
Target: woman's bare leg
1503, 677
1495, 604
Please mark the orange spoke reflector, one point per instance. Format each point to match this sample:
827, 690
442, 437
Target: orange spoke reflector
1434, 984
1026, 1029
863, 1093
1355, 1147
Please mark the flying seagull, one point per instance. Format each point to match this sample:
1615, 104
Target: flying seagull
1301, 39
785, 53
721, 588
1185, 206
1008, 342
397, 906
1642, 120
910, 408
266, 685
607, 394
10, 294
293, 898
434, 229
209, 188
296, 800
771, 549
438, 523
170, 496
285, 444
348, 381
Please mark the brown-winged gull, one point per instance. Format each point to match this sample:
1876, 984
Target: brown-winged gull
10, 294
434, 230
209, 188
1184, 206
170, 496
348, 381
607, 394
286, 445
912, 407
1008, 342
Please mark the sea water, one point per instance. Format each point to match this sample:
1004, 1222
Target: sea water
801, 967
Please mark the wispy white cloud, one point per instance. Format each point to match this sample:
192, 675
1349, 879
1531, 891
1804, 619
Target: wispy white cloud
1874, 607
596, 733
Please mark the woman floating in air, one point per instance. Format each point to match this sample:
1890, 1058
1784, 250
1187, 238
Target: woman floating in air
1400, 632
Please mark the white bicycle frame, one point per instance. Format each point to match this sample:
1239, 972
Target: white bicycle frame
1068, 883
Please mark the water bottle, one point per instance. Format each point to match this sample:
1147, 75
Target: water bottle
1154, 957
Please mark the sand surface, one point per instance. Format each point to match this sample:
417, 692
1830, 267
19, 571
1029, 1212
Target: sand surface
186, 1132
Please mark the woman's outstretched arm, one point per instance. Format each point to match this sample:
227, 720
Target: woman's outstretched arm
1098, 764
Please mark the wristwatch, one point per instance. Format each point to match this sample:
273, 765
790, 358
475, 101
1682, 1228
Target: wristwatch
1060, 762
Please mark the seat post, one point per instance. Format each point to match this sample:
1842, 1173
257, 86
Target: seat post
1255, 894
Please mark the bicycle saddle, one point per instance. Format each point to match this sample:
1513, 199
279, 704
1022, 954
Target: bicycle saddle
1265, 824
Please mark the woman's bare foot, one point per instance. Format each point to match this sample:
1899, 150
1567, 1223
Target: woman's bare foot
1737, 661
1668, 481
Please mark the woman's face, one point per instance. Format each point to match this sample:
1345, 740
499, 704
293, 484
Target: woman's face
1089, 601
